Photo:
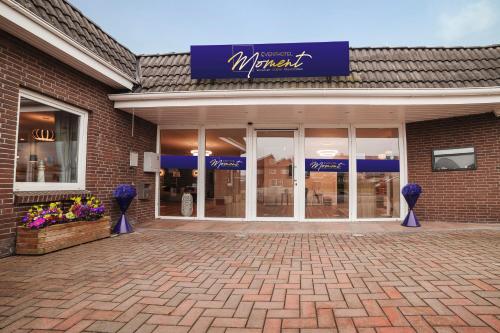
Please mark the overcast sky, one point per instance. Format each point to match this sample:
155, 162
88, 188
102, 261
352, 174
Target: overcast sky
160, 26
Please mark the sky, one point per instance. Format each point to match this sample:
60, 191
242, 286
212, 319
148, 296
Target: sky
162, 26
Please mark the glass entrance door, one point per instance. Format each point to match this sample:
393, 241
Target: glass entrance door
276, 176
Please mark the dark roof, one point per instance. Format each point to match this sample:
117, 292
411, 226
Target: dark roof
374, 67
70, 21
377, 67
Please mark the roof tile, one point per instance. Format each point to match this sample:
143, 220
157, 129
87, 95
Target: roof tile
70, 21
384, 67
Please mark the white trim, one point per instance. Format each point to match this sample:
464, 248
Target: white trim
403, 169
22, 23
449, 96
353, 178
157, 175
82, 145
200, 180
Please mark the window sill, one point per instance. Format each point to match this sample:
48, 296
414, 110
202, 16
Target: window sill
29, 197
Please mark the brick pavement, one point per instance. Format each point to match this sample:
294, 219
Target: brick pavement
168, 281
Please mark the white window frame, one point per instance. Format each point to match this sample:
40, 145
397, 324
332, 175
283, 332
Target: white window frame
82, 145
403, 171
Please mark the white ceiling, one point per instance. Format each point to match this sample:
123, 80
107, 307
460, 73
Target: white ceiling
311, 114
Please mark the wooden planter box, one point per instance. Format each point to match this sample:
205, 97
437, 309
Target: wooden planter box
60, 236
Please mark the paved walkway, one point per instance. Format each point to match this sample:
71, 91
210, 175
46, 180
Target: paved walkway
309, 227
175, 281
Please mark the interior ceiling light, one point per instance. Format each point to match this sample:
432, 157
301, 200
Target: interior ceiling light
43, 135
327, 152
194, 152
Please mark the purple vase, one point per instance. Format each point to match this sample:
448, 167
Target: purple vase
123, 226
411, 192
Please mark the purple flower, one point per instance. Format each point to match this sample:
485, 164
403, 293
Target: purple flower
125, 191
411, 190
37, 223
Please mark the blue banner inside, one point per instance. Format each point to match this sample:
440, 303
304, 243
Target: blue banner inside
225, 163
179, 162
211, 162
327, 165
377, 165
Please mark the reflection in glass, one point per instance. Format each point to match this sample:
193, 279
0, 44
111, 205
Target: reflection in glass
179, 163
454, 159
327, 173
275, 168
47, 144
377, 162
225, 173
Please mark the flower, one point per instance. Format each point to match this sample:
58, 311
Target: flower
40, 216
125, 191
411, 190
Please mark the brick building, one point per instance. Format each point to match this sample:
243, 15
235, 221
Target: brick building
75, 103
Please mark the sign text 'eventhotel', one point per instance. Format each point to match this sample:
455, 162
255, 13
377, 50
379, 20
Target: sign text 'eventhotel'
270, 60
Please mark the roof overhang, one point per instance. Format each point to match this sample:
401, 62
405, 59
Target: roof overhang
366, 105
20, 22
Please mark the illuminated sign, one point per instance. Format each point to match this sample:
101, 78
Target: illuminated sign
270, 60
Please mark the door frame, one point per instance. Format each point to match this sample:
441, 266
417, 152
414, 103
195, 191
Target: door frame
252, 170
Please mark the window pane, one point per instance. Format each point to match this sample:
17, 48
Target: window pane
377, 172
225, 172
275, 168
454, 159
47, 144
179, 163
327, 173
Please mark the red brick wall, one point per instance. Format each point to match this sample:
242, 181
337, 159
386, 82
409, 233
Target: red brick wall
109, 131
457, 196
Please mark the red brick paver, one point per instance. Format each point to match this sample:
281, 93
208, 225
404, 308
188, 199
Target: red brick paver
170, 281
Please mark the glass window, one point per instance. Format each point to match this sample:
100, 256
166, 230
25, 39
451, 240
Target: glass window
454, 159
49, 147
225, 176
179, 171
275, 188
327, 172
377, 161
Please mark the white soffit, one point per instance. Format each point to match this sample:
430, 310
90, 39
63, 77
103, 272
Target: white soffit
308, 105
23, 24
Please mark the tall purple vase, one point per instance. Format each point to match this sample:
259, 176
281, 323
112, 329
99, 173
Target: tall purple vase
411, 193
124, 194
123, 226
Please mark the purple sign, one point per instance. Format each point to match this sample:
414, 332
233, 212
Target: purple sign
270, 60
377, 165
179, 162
225, 163
327, 165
